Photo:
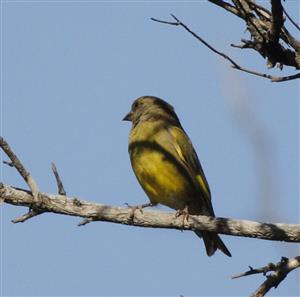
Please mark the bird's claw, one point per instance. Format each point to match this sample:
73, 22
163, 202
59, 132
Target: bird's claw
185, 215
137, 207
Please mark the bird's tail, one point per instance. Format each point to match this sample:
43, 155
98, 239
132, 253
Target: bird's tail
212, 242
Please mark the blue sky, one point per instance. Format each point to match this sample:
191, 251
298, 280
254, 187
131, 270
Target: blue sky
70, 71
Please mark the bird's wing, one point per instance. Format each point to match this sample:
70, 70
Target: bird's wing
186, 152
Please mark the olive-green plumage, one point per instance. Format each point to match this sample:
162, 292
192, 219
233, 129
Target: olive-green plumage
166, 164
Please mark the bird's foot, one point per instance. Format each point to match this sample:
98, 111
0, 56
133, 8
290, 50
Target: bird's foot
137, 207
184, 213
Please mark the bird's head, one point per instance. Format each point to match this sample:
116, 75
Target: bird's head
150, 108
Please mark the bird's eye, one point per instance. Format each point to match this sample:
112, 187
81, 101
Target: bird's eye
135, 105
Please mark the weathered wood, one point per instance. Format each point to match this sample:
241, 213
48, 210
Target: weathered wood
72, 206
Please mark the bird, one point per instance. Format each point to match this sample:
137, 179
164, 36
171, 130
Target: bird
166, 165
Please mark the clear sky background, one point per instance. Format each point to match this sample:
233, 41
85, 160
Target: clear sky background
70, 71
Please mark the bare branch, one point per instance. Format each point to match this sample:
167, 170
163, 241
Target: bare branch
279, 271
179, 23
267, 30
253, 24
226, 6
151, 219
285, 78
60, 186
165, 22
21, 169
260, 10
277, 20
264, 270
226, 57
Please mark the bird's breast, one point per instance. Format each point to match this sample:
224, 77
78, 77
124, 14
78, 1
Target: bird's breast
160, 175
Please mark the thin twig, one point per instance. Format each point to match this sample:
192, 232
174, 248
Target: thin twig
285, 78
166, 22
234, 64
227, 6
245, 44
244, 7
179, 23
60, 186
21, 169
260, 10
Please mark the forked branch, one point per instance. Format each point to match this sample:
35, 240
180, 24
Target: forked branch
278, 273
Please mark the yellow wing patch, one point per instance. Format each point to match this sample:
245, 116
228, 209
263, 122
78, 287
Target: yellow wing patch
179, 152
179, 136
203, 185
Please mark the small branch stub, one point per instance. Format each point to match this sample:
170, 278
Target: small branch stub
60, 186
32, 213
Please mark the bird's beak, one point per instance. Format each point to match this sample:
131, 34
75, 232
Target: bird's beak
128, 117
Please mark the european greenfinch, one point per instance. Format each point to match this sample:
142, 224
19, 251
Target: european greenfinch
166, 164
